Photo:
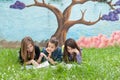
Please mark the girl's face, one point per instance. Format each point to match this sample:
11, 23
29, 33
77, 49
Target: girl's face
51, 47
30, 48
70, 50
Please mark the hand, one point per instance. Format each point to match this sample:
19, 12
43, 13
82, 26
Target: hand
52, 61
49, 51
76, 51
49, 55
34, 63
44, 55
40, 57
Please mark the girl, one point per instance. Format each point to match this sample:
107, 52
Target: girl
29, 53
72, 52
52, 52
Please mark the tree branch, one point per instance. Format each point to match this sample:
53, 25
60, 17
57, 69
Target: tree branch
67, 12
110, 4
30, 5
36, 1
68, 24
43, 1
82, 20
79, 1
55, 10
83, 14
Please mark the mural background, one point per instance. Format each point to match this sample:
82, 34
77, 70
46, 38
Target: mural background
40, 23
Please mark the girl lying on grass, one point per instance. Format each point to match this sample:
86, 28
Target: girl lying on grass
29, 53
52, 52
72, 52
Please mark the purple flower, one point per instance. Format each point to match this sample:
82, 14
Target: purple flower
18, 5
105, 17
117, 3
114, 18
111, 14
118, 10
115, 11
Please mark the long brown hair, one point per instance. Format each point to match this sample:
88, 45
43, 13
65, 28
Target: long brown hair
71, 43
25, 41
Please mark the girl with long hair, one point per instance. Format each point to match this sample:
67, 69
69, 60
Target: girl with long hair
29, 53
72, 52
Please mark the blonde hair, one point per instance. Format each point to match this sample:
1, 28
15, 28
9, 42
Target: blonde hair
25, 41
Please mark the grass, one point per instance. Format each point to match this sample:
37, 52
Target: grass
97, 64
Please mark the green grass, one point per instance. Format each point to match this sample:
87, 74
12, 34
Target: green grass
97, 64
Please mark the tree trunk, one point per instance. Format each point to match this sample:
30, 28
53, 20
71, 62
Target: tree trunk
60, 34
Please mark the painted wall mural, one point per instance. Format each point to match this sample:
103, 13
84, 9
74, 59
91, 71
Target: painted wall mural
87, 21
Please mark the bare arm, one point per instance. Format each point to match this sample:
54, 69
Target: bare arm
33, 62
51, 61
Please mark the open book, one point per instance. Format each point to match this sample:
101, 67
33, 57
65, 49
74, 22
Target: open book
44, 64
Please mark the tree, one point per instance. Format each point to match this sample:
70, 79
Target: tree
64, 24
